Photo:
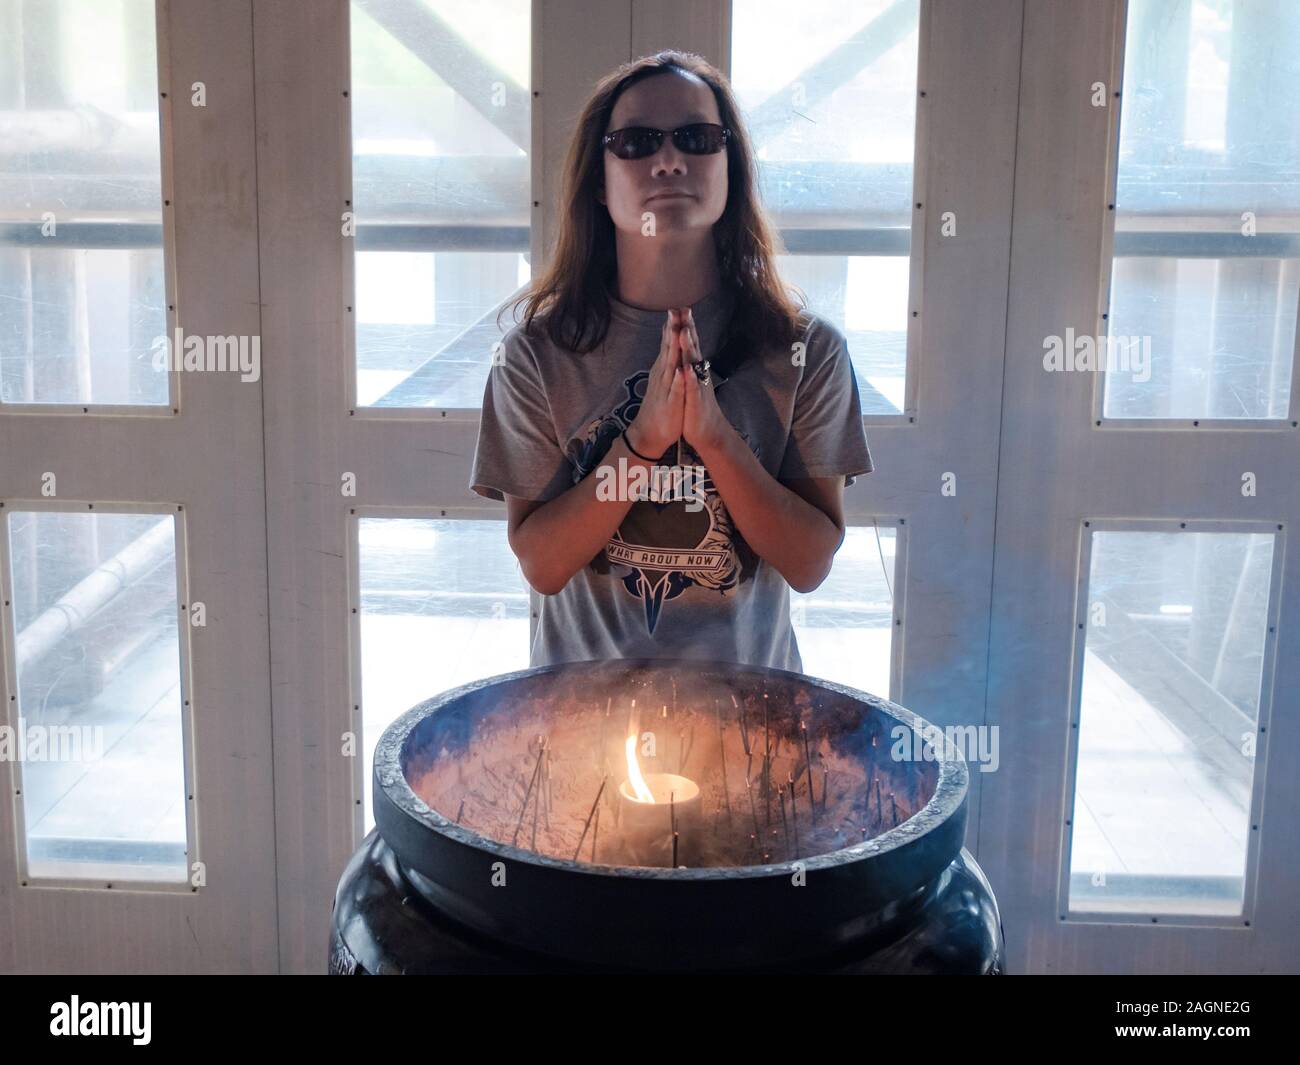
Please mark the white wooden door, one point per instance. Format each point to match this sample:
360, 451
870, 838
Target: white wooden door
138, 830
1145, 651
397, 182
441, 130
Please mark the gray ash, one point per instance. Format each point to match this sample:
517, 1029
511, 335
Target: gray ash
748, 744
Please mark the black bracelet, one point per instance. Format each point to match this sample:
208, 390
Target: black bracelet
644, 458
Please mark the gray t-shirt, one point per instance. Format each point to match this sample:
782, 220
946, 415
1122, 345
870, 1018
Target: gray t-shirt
677, 580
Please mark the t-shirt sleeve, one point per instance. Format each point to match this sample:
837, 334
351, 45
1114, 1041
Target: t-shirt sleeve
826, 434
517, 452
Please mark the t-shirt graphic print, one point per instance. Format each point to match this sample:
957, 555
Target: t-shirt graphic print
662, 548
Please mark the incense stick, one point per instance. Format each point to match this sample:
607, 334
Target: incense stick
590, 815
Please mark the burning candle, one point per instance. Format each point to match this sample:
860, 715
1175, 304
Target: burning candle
654, 807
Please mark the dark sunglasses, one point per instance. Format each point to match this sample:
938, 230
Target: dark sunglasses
637, 142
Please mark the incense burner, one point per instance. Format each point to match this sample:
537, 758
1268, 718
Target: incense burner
509, 836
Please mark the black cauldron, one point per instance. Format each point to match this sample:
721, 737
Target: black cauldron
502, 836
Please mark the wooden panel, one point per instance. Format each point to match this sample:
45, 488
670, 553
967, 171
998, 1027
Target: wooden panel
1057, 468
686, 25
303, 158
575, 44
209, 459
968, 111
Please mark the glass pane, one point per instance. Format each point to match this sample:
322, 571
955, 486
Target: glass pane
441, 126
99, 694
1207, 257
82, 297
845, 628
1170, 704
442, 603
829, 95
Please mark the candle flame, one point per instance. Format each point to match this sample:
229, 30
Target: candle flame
634, 777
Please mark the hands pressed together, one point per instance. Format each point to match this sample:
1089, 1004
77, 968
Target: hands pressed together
677, 404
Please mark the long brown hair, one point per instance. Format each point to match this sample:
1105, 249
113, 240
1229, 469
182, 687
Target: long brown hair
572, 294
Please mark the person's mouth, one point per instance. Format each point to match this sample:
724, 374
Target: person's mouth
672, 195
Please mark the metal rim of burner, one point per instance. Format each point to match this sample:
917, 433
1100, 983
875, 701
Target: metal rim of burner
726, 916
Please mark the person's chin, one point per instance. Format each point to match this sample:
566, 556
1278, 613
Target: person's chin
673, 204
676, 216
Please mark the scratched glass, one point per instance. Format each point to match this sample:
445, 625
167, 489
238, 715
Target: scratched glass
1172, 673
828, 90
1207, 211
845, 628
442, 603
441, 126
82, 296
98, 729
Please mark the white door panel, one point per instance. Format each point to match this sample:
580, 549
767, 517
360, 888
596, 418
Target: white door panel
1144, 607
133, 498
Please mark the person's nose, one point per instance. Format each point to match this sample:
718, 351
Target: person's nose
668, 159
